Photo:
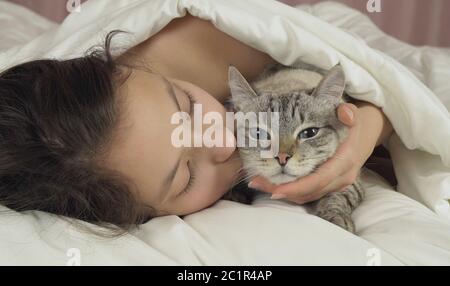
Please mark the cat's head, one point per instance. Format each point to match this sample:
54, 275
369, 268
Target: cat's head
309, 130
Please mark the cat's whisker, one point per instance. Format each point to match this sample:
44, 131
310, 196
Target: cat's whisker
241, 176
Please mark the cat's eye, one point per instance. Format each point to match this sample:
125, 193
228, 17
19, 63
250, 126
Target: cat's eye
259, 134
308, 133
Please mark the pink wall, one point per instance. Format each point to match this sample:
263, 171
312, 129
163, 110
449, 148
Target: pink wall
52, 9
419, 22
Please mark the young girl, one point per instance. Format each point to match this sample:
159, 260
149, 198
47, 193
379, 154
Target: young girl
90, 138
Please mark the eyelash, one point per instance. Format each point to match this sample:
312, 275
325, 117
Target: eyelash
191, 178
192, 101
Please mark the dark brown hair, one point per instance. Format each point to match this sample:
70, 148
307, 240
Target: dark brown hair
56, 119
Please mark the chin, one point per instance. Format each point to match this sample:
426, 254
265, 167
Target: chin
282, 178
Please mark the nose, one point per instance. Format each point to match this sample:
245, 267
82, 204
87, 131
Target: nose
282, 158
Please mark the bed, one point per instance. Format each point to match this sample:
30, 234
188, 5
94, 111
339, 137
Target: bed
408, 225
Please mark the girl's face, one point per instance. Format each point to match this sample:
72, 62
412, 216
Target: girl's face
171, 180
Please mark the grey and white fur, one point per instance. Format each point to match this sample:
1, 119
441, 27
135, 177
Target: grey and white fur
306, 99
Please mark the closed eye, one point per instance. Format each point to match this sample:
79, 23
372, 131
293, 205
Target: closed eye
191, 181
190, 97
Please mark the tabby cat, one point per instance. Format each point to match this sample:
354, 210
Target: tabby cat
306, 99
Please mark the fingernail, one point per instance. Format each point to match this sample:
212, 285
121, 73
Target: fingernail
278, 196
349, 112
252, 185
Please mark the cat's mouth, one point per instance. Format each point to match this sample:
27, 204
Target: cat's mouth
284, 175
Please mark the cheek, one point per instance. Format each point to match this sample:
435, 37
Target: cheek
305, 151
213, 180
210, 185
328, 142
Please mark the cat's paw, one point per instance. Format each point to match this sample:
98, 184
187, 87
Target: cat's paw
341, 219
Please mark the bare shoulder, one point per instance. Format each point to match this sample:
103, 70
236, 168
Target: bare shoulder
194, 50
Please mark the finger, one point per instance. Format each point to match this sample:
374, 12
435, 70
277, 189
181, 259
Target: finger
346, 148
299, 187
262, 184
344, 165
347, 114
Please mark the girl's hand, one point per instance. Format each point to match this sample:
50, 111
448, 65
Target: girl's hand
340, 170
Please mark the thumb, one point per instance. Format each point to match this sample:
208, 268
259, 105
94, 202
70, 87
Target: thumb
347, 114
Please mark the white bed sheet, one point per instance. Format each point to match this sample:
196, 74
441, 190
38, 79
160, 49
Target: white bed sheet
392, 228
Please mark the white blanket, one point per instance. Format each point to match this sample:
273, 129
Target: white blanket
392, 228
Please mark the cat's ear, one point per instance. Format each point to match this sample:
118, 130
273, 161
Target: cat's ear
241, 91
333, 84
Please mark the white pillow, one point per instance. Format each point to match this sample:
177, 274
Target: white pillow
18, 25
392, 229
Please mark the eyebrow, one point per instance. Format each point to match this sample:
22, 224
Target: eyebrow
167, 182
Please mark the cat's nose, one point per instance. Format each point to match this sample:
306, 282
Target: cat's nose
282, 158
